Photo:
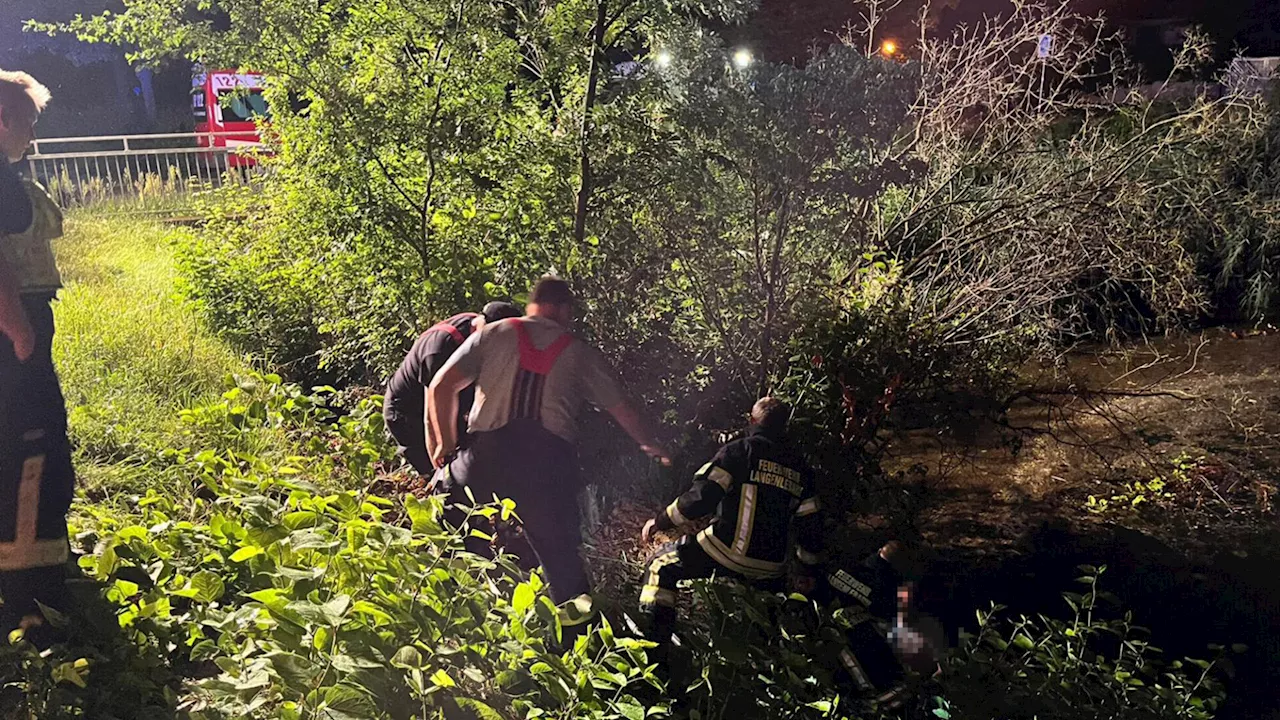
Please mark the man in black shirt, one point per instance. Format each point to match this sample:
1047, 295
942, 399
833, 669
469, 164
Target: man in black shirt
405, 406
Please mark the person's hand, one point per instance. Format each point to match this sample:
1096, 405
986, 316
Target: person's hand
439, 456
657, 453
23, 339
646, 534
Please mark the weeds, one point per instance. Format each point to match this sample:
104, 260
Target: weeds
131, 355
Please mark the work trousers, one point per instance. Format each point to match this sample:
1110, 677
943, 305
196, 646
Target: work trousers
869, 663
36, 477
683, 560
539, 471
410, 434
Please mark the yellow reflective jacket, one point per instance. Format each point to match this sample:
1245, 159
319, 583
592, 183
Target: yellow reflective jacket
30, 253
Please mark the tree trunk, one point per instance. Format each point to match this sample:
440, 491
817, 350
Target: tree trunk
593, 78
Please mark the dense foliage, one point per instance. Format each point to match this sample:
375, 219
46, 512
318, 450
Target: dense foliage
270, 591
868, 237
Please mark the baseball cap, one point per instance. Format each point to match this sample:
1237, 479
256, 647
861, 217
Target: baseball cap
499, 310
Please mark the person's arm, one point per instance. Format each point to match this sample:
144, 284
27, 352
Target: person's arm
710, 484
433, 439
431, 368
13, 318
16, 216
809, 535
442, 410
700, 500
461, 370
630, 420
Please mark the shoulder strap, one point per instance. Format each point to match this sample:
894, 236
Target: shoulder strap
450, 326
539, 362
447, 328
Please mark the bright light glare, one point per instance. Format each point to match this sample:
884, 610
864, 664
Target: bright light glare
742, 58
889, 48
662, 59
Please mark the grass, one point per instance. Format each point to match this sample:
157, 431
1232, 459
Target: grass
131, 354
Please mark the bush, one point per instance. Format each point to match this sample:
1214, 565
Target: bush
755, 657
270, 596
1096, 664
315, 605
709, 215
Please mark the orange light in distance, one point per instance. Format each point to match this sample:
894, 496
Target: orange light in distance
889, 48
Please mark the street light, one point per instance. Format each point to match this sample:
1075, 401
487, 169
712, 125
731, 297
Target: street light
742, 58
662, 59
889, 48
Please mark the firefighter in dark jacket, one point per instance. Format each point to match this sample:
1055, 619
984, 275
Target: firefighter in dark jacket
867, 593
883, 636
405, 405
762, 493
36, 476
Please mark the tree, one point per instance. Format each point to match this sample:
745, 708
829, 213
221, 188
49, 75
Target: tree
758, 193
443, 152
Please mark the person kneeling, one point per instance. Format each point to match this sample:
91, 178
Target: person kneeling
761, 489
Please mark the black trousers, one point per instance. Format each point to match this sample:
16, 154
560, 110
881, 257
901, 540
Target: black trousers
410, 434
37, 482
683, 560
539, 471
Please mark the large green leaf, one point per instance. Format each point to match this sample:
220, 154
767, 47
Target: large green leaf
343, 702
204, 586
523, 598
482, 711
298, 673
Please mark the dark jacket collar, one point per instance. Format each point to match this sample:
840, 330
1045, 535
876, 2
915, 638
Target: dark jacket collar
774, 434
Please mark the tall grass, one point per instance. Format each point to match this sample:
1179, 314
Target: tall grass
130, 353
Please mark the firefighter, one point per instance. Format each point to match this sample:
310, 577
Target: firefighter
884, 638
532, 378
762, 492
405, 405
36, 476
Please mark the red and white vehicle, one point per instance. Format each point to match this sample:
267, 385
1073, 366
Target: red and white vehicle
228, 107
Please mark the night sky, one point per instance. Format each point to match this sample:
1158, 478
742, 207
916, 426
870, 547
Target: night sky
785, 30
97, 91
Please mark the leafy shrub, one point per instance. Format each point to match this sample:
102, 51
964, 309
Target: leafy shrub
313, 605
1096, 664
755, 658
285, 589
292, 601
888, 362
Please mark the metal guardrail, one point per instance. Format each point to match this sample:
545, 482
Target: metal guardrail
1251, 75
141, 173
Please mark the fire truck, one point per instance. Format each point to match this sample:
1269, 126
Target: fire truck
229, 107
